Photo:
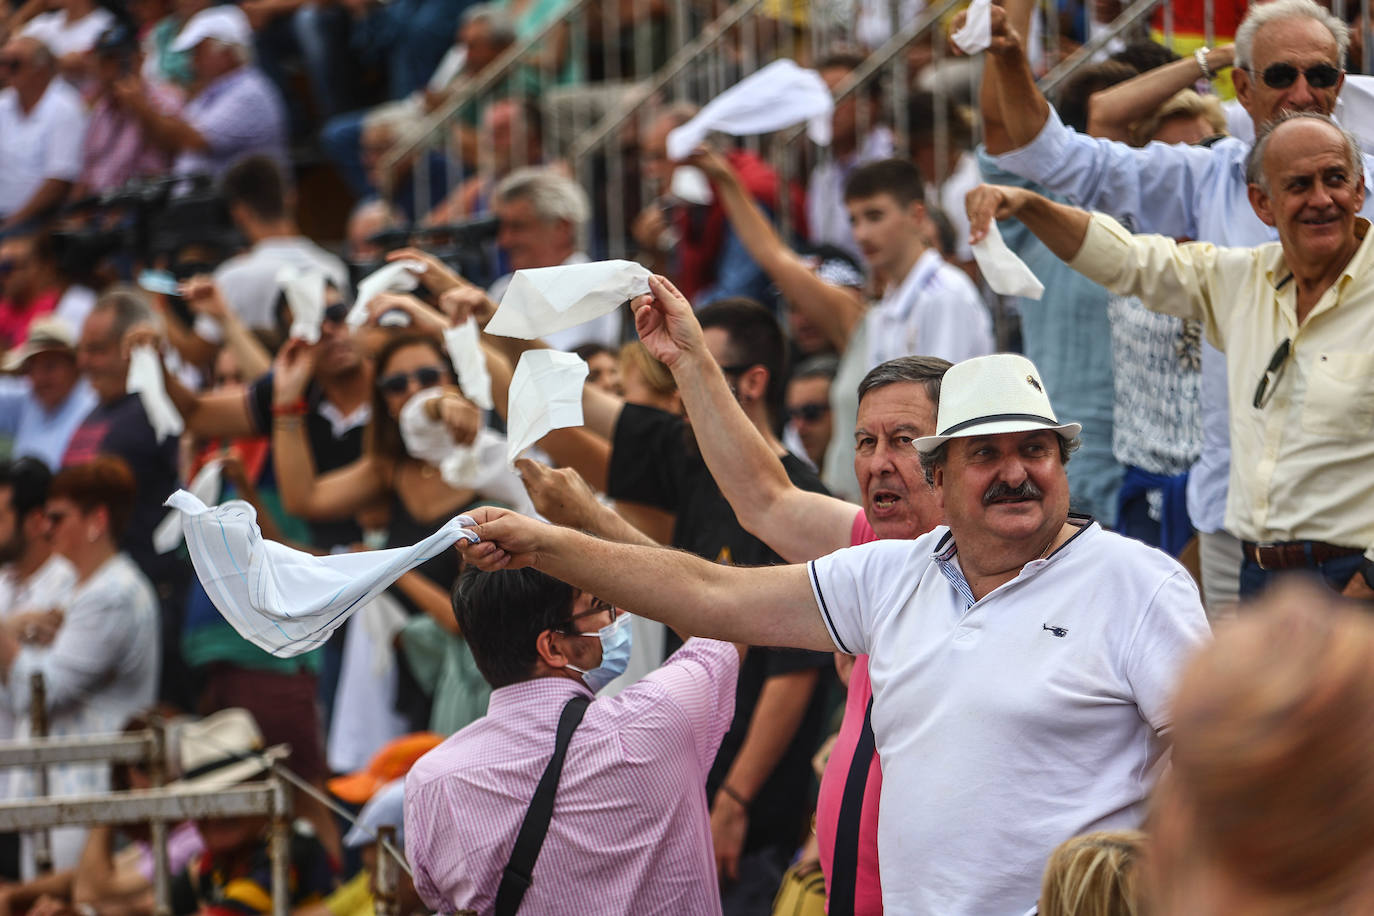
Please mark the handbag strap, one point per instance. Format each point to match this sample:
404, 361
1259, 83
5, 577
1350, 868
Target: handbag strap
845, 863
519, 872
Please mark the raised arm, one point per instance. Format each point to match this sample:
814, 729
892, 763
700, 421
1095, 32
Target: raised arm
1013, 108
836, 310
799, 525
1113, 110
1061, 227
760, 606
216, 415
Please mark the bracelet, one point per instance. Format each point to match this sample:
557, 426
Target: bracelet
296, 408
1200, 55
732, 794
288, 421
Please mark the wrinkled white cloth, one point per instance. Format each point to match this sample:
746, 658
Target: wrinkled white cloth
145, 380
543, 300
365, 716
1005, 273
691, 185
779, 95
282, 600
976, 34
465, 350
206, 487
398, 276
545, 394
304, 291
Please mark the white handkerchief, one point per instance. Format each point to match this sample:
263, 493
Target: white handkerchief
398, 276
691, 185
543, 300
145, 379
465, 349
976, 34
545, 394
304, 291
777, 96
206, 488
282, 600
1007, 275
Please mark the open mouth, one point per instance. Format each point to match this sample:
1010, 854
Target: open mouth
885, 500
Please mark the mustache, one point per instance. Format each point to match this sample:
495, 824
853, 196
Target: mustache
999, 490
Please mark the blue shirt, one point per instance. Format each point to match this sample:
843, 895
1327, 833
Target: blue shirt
1192, 192
36, 432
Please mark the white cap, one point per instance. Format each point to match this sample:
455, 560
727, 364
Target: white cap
385, 809
995, 394
226, 23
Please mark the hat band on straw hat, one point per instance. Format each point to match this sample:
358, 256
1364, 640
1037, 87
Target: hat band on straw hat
999, 418
205, 769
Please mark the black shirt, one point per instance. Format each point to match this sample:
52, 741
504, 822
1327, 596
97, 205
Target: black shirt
655, 461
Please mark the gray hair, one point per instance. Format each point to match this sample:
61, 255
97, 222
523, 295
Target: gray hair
822, 365
554, 197
397, 118
927, 371
1262, 14
500, 25
937, 456
1254, 163
130, 308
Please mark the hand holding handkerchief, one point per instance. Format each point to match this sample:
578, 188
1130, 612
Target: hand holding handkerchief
1005, 273
976, 34
304, 291
775, 97
545, 394
145, 380
398, 276
543, 300
283, 600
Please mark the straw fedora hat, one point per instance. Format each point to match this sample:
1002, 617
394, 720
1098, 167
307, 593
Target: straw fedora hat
222, 750
987, 395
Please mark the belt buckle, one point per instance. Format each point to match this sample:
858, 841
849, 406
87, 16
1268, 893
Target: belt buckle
1259, 554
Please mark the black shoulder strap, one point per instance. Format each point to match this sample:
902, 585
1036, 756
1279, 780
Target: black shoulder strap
845, 863
519, 873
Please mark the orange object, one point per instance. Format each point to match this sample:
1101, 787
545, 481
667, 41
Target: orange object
392, 762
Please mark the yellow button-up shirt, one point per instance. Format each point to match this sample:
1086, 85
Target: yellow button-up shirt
1302, 465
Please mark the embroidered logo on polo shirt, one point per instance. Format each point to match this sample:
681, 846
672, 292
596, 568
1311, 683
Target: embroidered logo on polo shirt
1061, 632
1034, 384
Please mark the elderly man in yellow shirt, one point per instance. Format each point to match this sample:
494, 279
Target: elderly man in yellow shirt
1296, 320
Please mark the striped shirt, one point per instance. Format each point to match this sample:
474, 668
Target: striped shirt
630, 831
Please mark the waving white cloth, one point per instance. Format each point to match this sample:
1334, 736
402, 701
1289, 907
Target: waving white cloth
282, 600
976, 34
145, 379
780, 95
1007, 275
206, 487
304, 291
398, 276
543, 300
545, 394
465, 349
690, 185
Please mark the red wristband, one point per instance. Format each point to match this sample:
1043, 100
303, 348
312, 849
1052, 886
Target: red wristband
294, 409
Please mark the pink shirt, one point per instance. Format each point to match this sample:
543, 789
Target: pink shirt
630, 831
868, 890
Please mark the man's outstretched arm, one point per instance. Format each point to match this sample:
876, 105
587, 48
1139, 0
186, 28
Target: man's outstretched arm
798, 524
759, 606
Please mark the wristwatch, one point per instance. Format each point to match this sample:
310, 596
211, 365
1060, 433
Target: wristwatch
1200, 55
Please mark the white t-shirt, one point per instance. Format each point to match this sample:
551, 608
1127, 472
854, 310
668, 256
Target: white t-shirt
63, 37
45, 143
935, 311
249, 281
46, 589
1008, 725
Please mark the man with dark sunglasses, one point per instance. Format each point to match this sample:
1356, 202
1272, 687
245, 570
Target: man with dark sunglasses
1296, 320
1285, 51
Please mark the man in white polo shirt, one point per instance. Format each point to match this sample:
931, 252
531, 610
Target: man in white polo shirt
42, 127
1021, 658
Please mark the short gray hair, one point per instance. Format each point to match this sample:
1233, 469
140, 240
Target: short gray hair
397, 118
1262, 14
937, 456
1254, 163
130, 308
555, 197
500, 25
927, 371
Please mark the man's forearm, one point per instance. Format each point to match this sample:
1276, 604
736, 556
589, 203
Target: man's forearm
779, 712
1062, 228
47, 197
1024, 108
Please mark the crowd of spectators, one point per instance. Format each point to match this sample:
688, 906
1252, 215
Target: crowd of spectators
777, 715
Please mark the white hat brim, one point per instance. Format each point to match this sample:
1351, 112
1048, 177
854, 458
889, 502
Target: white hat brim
927, 444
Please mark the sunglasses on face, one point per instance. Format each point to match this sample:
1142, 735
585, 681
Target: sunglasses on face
398, 382
335, 313
1318, 76
808, 413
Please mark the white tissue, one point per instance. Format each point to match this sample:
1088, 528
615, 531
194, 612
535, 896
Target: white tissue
547, 299
779, 95
145, 380
690, 185
1005, 273
976, 34
545, 394
398, 276
304, 291
465, 350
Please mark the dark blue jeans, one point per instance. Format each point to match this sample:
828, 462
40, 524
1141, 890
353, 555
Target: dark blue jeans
1335, 573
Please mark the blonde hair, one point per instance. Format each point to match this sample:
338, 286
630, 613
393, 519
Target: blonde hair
1094, 875
1183, 104
655, 374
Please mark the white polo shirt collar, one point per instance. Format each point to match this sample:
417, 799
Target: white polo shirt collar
946, 557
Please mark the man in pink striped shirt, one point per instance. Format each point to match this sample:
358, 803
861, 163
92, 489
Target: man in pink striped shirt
629, 832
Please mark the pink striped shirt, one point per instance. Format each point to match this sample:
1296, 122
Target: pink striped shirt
630, 831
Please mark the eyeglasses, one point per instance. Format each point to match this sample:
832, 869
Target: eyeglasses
808, 413
1269, 381
398, 382
1281, 76
335, 313
599, 606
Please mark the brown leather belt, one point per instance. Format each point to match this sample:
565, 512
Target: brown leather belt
1294, 554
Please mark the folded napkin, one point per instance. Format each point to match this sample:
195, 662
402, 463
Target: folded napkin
398, 276
286, 601
304, 291
543, 300
545, 394
779, 95
1005, 273
145, 380
976, 34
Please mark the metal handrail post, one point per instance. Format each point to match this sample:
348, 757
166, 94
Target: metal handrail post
385, 880
38, 727
162, 870
280, 845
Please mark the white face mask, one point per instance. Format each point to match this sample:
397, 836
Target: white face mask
615, 653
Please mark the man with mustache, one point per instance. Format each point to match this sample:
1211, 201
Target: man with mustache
1021, 658
1293, 318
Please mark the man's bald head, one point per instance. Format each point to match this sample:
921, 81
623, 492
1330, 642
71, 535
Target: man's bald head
1288, 136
